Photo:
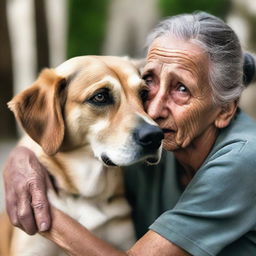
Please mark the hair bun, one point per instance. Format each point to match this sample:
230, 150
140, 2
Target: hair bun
248, 68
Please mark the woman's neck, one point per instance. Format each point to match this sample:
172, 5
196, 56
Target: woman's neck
193, 156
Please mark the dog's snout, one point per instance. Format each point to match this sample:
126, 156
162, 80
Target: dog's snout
149, 136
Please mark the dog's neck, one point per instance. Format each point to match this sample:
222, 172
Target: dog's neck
78, 172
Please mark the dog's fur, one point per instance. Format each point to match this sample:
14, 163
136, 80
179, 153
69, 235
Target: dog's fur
80, 120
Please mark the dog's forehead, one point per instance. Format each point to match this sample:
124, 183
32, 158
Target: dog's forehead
76, 64
125, 70
119, 68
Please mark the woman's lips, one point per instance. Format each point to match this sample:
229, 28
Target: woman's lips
165, 130
168, 132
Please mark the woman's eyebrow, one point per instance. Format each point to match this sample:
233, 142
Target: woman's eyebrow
151, 69
147, 72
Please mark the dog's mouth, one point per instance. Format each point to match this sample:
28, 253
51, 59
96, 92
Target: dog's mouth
107, 160
152, 160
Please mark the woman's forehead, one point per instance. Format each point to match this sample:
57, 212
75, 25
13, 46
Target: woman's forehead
169, 49
184, 54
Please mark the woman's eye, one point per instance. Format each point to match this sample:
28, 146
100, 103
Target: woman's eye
148, 80
182, 88
180, 94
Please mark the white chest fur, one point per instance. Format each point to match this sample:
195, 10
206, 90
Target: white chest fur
100, 204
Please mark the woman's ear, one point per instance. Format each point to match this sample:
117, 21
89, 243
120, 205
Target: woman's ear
226, 114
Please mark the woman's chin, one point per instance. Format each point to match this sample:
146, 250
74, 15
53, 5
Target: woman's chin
170, 145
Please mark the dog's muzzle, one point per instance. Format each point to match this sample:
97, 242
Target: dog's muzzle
148, 136
145, 144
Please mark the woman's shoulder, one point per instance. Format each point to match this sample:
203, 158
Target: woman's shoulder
235, 148
238, 137
242, 126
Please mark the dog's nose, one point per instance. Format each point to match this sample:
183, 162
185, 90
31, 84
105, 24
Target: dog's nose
149, 136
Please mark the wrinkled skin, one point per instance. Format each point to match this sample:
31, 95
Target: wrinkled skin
26, 183
180, 99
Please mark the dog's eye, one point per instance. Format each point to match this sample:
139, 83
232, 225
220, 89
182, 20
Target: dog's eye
101, 98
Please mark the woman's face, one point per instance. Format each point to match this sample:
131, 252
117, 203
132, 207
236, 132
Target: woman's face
180, 98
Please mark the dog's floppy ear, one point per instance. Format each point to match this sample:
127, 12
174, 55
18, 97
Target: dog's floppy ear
39, 110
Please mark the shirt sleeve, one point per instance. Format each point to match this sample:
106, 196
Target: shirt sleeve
218, 206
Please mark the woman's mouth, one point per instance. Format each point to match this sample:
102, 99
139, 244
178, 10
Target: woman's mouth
165, 130
168, 132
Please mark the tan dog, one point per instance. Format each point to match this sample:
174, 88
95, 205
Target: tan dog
83, 119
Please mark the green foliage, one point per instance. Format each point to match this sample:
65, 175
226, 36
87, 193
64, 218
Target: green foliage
87, 20
173, 7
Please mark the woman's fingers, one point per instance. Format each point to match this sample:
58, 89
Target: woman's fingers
40, 205
25, 214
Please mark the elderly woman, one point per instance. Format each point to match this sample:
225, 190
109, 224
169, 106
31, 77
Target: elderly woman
201, 199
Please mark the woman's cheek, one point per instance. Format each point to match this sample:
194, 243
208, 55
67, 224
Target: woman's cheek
153, 91
186, 128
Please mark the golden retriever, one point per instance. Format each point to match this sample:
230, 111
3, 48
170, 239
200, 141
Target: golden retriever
83, 119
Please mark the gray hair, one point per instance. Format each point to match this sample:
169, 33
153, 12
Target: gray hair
221, 44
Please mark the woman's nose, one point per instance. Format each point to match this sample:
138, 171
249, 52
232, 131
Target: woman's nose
156, 107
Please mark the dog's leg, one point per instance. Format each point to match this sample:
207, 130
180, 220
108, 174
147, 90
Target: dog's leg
5, 234
25, 245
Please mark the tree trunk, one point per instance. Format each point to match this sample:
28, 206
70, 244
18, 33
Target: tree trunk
41, 35
7, 127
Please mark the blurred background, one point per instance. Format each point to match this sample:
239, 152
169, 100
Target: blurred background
43, 33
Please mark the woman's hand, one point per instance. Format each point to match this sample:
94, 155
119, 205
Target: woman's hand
26, 182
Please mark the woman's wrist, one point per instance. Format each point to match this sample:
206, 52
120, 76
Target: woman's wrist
75, 239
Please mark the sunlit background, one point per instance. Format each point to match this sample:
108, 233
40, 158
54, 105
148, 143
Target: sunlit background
43, 33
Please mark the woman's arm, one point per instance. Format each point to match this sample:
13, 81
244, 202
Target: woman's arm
26, 182
75, 239
78, 241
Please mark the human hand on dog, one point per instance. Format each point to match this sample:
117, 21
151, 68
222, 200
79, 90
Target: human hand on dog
26, 182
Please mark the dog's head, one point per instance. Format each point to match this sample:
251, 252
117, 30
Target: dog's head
91, 101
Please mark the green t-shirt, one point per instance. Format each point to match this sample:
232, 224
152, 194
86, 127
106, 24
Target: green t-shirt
216, 213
